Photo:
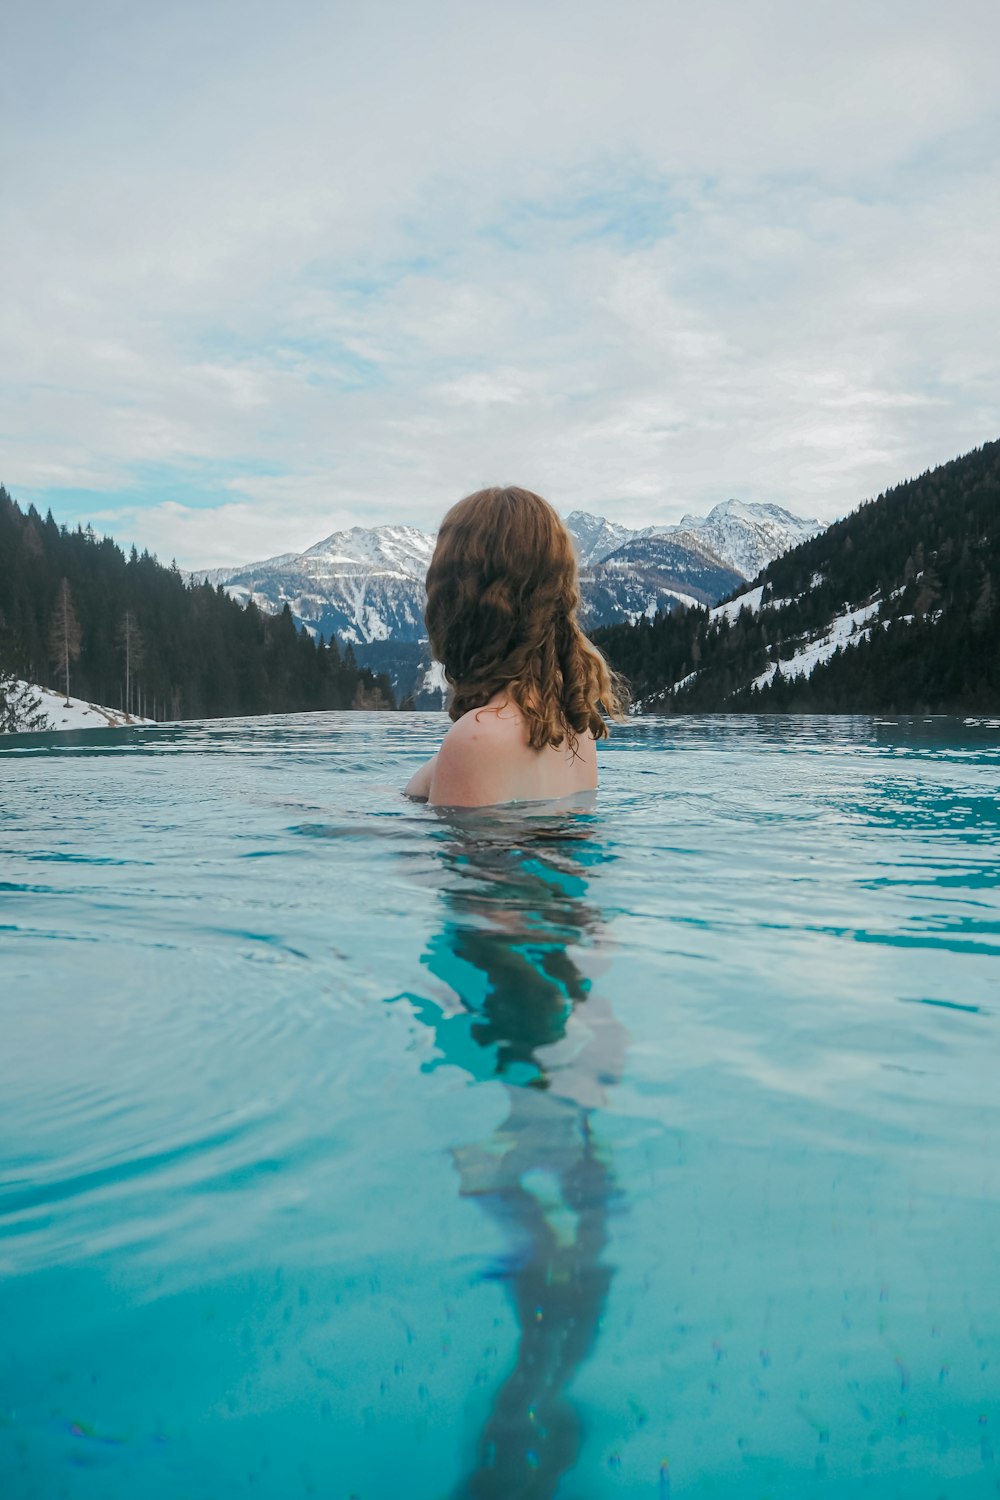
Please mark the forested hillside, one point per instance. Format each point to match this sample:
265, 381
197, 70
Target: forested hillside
134, 634
894, 609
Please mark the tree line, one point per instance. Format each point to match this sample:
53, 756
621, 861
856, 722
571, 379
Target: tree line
79, 615
928, 550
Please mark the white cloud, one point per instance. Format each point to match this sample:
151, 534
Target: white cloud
345, 264
171, 530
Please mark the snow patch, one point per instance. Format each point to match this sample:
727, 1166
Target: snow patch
75, 713
731, 609
847, 629
434, 680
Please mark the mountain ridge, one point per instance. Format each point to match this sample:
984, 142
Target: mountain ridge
366, 584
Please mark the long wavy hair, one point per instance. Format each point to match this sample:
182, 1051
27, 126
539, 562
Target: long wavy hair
502, 599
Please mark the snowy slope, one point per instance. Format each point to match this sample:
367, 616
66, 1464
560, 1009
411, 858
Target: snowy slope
851, 626
846, 629
82, 715
732, 608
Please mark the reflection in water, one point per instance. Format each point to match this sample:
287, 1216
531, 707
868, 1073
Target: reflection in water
519, 1007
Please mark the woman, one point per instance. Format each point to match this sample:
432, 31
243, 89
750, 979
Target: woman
502, 597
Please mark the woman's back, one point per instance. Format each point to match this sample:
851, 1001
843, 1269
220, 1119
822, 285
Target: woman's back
486, 758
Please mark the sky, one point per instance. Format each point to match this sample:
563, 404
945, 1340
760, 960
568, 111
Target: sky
270, 271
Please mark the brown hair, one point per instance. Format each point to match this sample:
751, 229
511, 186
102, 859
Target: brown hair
502, 597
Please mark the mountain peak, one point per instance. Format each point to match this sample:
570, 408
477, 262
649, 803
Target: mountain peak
399, 549
745, 510
731, 508
596, 537
749, 535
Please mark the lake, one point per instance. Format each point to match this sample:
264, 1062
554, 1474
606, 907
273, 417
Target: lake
645, 1147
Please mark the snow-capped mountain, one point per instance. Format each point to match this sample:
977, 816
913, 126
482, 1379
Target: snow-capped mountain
651, 572
744, 537
366, 585
627, 573
748, 537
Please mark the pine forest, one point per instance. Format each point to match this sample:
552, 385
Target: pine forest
79, 615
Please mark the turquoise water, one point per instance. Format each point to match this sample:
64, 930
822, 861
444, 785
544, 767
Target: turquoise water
643, 1149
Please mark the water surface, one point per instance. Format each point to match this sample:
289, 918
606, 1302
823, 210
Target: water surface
648, 1148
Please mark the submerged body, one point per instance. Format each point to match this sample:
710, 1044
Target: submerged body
486, 759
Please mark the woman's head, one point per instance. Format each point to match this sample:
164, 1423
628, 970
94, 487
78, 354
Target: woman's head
502, 597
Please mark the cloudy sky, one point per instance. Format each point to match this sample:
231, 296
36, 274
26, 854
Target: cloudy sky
272, 270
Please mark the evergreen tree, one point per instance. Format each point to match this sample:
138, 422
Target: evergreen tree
21, 708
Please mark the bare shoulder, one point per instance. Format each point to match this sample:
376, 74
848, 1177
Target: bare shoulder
486, 757
477, 763
495, 724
